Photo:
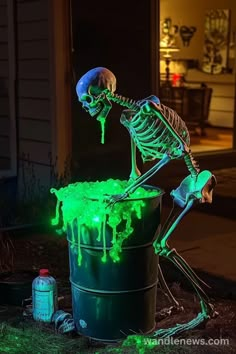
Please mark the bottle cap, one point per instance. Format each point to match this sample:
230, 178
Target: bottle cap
43, 272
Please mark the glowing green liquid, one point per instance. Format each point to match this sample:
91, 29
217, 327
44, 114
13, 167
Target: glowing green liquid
86, 203
102, 122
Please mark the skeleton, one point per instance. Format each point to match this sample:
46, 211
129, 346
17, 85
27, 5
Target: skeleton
159, 134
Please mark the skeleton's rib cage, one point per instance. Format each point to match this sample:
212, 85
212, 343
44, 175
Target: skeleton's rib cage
158, 132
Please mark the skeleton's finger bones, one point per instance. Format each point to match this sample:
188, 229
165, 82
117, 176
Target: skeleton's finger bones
116, 198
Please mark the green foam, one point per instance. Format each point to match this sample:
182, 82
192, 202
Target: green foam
85, 203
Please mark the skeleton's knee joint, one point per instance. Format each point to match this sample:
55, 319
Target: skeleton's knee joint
164, 251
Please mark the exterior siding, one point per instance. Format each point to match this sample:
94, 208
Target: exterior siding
4, 97
33, 91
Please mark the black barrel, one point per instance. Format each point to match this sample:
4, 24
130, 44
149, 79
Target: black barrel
112, 300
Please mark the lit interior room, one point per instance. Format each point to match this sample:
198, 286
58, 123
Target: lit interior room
197, 68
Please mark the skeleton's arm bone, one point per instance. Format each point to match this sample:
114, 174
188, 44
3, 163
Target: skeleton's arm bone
135, 173
141, 179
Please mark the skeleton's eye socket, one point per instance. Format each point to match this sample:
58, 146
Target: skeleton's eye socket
87, 98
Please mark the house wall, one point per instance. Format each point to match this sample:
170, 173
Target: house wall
4, 97
192, 13
26, 95
34, 114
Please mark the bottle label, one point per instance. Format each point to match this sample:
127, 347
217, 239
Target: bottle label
43, 305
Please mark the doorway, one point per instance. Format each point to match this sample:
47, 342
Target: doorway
185, 64
117, 36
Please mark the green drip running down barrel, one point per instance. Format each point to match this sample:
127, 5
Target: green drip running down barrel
85, 204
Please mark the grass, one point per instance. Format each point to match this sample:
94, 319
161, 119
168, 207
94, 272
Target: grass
37, 339
40, 339
24, 336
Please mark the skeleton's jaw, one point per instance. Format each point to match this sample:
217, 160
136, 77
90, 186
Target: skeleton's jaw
99, 107
100, 110
93, 111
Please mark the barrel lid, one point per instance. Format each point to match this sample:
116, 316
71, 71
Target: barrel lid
43, 272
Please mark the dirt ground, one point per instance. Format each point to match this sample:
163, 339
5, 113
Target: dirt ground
19, 334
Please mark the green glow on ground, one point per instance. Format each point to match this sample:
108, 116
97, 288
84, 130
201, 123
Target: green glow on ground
33, 338
141, 343
85, 203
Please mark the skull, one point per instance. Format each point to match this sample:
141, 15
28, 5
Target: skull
91, 90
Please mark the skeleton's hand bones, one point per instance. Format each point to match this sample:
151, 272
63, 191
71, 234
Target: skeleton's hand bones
113, 199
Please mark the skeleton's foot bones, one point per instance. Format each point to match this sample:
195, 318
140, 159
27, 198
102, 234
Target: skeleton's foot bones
182, 265
207, 312
193, 189
172, 254
180, 328
207, 309
163, 285
168, 311
176, 307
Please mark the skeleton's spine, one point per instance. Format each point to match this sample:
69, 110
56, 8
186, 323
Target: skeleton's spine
191, 164
124, 101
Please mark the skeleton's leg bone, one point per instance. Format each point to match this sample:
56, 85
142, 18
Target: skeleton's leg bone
206, 307
182, 261
173, 220
161, 240
135, 173
190, 192
141, 179
179, 328
187, 271
165, 287
162, 248
173, 215
176, 214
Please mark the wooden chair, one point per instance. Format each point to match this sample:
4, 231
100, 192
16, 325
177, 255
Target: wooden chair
197, 110
174, 97
191, 104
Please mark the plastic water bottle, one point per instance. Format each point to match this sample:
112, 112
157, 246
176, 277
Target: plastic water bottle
44, 296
